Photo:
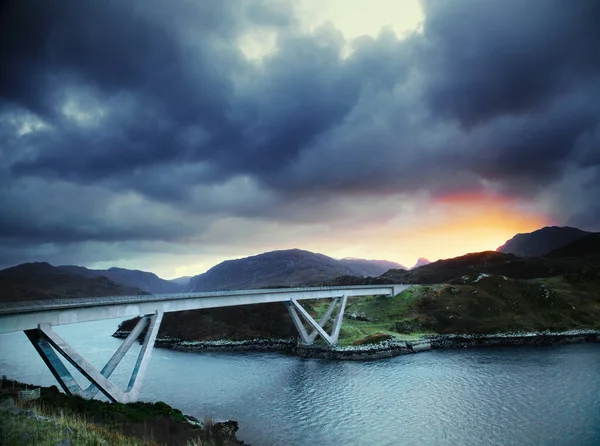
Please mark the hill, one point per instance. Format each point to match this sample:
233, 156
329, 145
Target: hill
475, 304
145, 281
369, 268
492, 262
542, 241
292, 267
40, 281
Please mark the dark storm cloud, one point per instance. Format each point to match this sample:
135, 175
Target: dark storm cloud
490, 58
105, 99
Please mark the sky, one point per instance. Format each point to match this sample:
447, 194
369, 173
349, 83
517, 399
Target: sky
170, 136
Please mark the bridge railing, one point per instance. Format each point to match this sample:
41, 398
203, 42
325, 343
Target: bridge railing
37, 305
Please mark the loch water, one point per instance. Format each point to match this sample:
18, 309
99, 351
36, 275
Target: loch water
488, 396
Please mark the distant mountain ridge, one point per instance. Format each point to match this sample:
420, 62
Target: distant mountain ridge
145, 281
420, 262
40, 281
182, 281
370, 268
291, 267
542, 241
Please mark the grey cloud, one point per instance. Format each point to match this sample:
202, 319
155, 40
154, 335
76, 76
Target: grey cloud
137, 98
491, 58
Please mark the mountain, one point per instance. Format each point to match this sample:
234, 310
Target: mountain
585, 246
542, 241
145, 281
422, 261
370, 268
39, 281
182, 281
492, 262
292, 267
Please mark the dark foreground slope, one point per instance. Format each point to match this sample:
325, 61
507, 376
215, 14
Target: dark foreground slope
40, 281
587, 247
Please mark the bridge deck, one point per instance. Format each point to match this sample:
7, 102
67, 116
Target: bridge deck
19, 316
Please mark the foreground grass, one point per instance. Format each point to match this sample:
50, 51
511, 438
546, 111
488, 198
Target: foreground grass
23, 429
57, 417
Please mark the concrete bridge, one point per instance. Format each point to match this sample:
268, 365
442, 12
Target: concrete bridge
37, 318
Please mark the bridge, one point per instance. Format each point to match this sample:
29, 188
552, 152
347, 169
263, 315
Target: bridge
36, 319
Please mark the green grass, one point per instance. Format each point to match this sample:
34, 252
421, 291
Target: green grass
21, 429
383, 314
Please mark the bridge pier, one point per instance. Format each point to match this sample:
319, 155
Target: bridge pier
48, 344
297, 311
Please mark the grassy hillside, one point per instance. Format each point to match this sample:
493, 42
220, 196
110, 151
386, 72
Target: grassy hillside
474, 304
57, 417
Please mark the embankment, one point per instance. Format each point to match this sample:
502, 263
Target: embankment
502, 339
385, 349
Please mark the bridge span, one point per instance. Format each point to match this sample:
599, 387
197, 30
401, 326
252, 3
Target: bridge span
36, 319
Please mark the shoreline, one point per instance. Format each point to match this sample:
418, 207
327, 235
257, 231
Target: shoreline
385, 349
512, 339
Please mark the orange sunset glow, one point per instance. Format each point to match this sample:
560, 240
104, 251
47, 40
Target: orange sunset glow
442, 228
470, 224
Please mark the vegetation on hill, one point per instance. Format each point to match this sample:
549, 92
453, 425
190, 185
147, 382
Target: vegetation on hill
542, 241
582, 247
479, 304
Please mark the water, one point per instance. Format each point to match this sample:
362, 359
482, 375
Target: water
496, 396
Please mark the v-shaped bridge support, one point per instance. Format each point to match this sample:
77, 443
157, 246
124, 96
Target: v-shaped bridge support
48, 343
296, 311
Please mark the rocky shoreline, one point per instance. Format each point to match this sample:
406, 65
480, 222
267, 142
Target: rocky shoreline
503, 339
385, 349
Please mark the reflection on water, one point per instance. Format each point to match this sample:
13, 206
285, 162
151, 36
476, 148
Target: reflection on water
509, 395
